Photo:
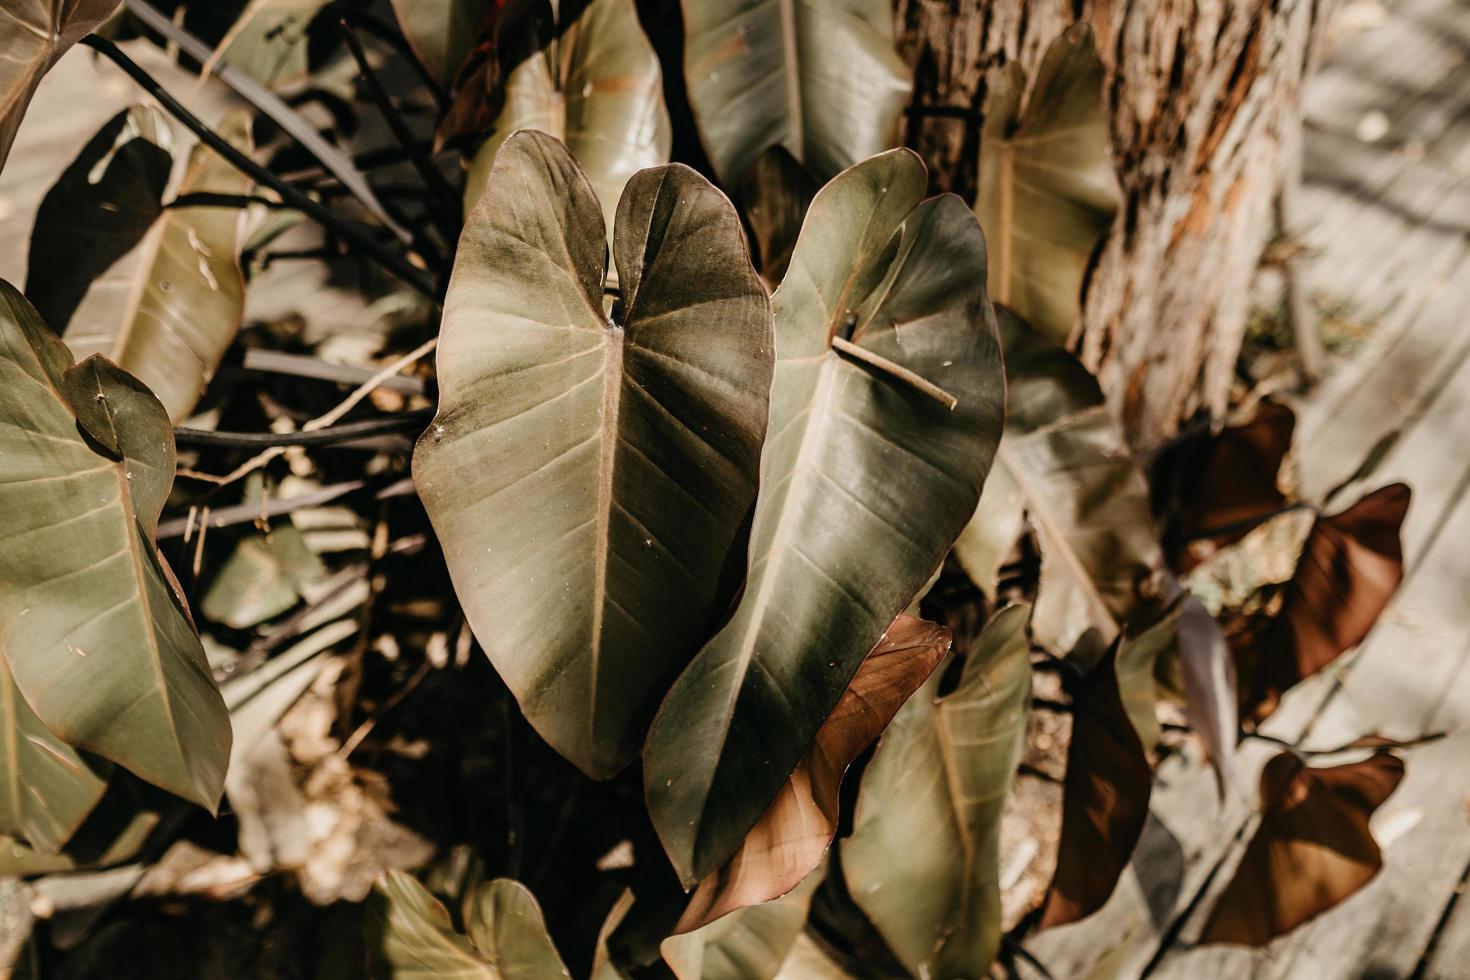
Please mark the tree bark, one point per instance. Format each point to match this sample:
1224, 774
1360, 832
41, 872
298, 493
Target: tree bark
1204, 102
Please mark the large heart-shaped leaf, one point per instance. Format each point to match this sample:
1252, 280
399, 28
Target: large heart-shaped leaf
588, 478
46, 787
1063, 461
586, 74
794, 833
169, 309
868, 475
1047, 191
923, 861
1351, 565
33, 34
98, 643
1312, 850
441, 32
820, 77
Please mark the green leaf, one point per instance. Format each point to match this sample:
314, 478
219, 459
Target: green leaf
505, 922
115, 831
923, 861
593, 83
1136, 667
588, 479
1063, 461
98, 643
167, 312
270, 41
264, 576
749, 944
33, 35
46, 787
820, 77
441, 32
97, 212
409, 934
867, 478
1047, 191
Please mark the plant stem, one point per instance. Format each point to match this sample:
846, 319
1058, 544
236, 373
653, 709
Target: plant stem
246, 513
389, 259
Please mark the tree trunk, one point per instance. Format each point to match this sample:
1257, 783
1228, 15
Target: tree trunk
1204, 101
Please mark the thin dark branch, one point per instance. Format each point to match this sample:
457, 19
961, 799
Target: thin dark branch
389, 259
432, 177
332, 435
316, 178
263, 99
1027, 769
209, 199
246, 513
369, 24
945, 112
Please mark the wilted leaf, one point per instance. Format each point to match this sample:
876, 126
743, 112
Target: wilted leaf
97, 212
1312, 850
1350, 567
169, 312
588, 479
789, 839
820, 77
867, 477
923, 858
1215, 488
33, 35
1063, 460
441, 32
749, 944
505, 923
96, 640
775, 194
408, 933
46, 788
1047, 189
590, 79
1104, 798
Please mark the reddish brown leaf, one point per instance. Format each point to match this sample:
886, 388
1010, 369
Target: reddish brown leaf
473, 105
1104, 799
1312, 850
1351, 565
791, 837
1224, 485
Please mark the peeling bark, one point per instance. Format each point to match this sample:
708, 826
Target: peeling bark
1204, 98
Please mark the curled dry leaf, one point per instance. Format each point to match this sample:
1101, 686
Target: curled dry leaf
790, 838
585, 73
33, 35
1104, 798
923, 860
1312, 849
97, 642
864, 469
820, 77
1213, 489
1047, 190
588, 479
1350, 567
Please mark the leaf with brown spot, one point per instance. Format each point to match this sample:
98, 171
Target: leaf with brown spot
1350, 567
790, 838
1312, 849
1104, 798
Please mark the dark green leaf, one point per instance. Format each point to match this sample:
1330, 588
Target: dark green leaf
1047, 190
923, 860
98, 643
820, 77
868, 477
588, 479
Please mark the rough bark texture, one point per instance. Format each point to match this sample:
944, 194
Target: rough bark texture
1204, 98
